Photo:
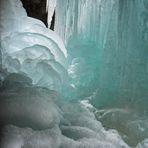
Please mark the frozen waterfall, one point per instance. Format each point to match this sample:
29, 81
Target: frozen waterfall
83, 85
111, 38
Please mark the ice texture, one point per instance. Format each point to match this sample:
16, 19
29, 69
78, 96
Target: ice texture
39, 89
41, 121
107, 44
50, 4
111, 38
24, 105
143, 144
29, 47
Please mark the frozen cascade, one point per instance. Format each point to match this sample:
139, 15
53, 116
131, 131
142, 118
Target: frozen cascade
107, 44
34, 112
110, 38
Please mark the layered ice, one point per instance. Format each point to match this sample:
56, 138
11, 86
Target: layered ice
29, 47
38, 77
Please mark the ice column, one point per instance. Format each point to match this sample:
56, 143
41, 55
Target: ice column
50, 6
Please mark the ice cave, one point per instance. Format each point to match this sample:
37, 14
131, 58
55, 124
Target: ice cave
73, 73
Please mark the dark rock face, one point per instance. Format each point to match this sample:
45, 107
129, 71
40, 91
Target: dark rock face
36, 9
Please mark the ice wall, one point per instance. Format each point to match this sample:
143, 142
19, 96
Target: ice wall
33, 73
111, 37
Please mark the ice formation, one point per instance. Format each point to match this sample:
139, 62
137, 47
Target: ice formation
51, 5
41, 82
107, 43
110, 38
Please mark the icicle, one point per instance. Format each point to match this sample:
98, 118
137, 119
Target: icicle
50, 7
